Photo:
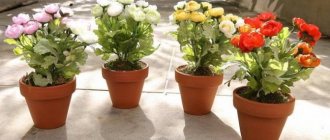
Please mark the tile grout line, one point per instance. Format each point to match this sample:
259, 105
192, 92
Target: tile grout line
168, 72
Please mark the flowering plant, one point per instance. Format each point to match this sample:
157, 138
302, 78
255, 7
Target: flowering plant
271, 62
48, 45
203, 33
125, 30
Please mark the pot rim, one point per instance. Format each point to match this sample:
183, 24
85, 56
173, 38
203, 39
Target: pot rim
47, 87
125, 71
197, 76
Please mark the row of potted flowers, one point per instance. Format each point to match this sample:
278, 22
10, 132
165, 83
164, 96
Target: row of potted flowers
53, 45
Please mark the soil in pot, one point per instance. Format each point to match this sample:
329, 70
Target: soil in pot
197, 92
261, 121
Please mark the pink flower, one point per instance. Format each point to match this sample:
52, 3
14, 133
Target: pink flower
14, 31
51, 8
31, 27
21, 19
42, 17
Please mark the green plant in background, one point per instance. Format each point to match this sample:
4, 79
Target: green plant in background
48, 45
203, 34
269, 61
125, 30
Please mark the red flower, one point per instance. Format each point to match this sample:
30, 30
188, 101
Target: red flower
271, 28
235, 40
254, 22
249, 41
298, 22
309, 33
308, 60
302, 48
266, 16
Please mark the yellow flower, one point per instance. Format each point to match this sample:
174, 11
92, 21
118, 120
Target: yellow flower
232, 17
206, 5
181, 15
216, 12
192, 6
197, 17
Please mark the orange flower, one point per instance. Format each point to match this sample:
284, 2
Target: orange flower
235, 40
302, 48
246, 28
308, 60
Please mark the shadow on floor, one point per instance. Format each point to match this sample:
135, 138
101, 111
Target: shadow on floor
127, 124
52, 134
208, 127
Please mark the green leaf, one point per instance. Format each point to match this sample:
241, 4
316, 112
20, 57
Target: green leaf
18, 51
39, 80
269, 87
49, 60
10, 41
44, 46
253, 84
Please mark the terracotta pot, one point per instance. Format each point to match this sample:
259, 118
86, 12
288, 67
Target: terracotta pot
125, 87
261, 121
197, 92
48, 105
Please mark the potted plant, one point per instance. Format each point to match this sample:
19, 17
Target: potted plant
271, 63
125, 31
55, 53
203, 34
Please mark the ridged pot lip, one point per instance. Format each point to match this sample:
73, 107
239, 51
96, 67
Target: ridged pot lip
131, 71
264, 106
50, 87
194, 76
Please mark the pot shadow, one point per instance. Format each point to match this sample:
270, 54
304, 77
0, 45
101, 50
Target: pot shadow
126, 124
47, 134
208, 127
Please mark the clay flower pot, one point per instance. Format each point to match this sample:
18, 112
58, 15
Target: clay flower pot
261, 121
125, 87
197, 92
48, 105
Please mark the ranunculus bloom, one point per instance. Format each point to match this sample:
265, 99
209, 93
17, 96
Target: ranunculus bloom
21, 19
139, 15
197, 17
309, 33
31, 27
206, 5
235, 40
126, 1
97, 10
298, 22
142, 3
103, 2
216, 12
192, 6
246, 28
180, 5
14, 31
250, 41
42, 17
308, 60
181, 15
302, 48
254, 22
152, 16
271, 28
266, 16
227, 27
52, 8
115, 8
88, 37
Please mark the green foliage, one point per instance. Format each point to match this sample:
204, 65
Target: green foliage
272, 68
52, 52
126, 38
202, 44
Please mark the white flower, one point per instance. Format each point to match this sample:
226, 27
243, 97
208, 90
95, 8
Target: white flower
239, 22
139, 15
142, 3
97, 10
78, 27
115, 9
152, 17
88, 37
180, 5
104, 2
150, 8
131, 9
126, 1
228, 28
